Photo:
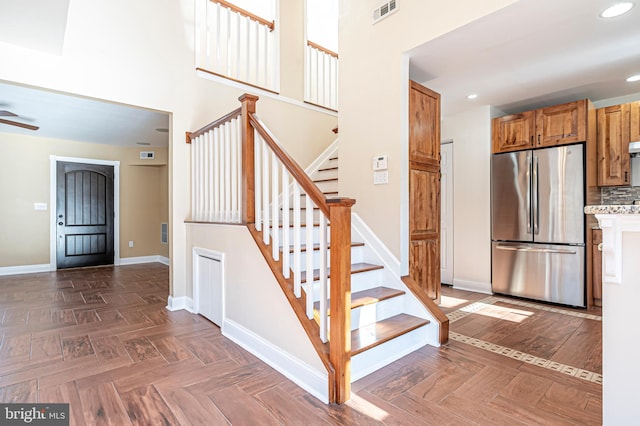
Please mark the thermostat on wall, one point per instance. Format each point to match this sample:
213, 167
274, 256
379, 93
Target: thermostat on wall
147, 155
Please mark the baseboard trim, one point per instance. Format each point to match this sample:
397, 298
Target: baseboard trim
180, 303
144, 259
292, 368
472, 286
25, 269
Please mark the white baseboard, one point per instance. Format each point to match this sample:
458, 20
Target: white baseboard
472, 286
144, 259
309, 379
179, 303
24, 269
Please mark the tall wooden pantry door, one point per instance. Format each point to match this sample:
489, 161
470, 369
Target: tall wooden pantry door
424, 189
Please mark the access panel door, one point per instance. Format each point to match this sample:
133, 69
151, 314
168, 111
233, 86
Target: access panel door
84, 215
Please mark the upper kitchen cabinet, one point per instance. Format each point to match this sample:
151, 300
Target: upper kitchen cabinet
561, 124
613, 144
634, 130
513, 132
550, 126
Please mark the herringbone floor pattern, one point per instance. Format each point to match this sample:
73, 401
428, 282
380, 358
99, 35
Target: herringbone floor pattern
101, 340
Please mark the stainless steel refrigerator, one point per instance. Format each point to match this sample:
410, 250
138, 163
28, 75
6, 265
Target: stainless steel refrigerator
538, 235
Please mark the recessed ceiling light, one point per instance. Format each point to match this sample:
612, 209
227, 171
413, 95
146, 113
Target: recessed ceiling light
162, 130
617, 9
472, 96
634, 78
143, 143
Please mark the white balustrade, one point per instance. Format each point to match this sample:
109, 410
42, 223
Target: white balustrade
217, 174
231, 44
321, 77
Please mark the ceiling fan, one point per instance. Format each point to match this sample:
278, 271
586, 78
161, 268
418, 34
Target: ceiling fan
5, 113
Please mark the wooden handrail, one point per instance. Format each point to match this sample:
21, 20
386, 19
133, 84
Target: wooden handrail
220, 121
321, 48
270, 24
296, 171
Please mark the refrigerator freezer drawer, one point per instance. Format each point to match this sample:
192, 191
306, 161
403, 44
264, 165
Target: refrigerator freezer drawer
551, 273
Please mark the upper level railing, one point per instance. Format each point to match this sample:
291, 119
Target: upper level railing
240, 173
236, 44
321, 76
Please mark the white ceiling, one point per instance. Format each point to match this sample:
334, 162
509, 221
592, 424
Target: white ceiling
63, 116
533, 53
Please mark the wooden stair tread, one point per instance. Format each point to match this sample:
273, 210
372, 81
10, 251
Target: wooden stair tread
380, 332
368, 297
328, 168
356, 268
303, 247
325, 180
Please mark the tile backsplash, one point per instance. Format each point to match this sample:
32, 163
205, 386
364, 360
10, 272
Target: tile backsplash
620, 195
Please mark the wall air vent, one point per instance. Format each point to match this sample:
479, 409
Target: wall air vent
147, 155
385, 10
164, 233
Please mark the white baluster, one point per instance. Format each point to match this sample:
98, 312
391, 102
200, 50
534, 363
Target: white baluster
219, 43
248, 49
257, 161
265, 194
238, 207
216, 174
199, 178
275, 235
227, 172
286, 264
194, 189
322, 243
297, 267
205, 178
234, 170
309, 254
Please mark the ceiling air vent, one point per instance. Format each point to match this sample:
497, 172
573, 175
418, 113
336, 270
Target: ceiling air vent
385, 10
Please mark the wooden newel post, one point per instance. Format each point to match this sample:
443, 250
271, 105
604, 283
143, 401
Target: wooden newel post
340, 295
248, 154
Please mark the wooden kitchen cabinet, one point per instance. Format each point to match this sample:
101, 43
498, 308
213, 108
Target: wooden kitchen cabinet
561, 124
634, 129
555, 125
613, 136
596, 266
513, 132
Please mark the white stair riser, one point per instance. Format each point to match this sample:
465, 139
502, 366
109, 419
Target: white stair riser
379, 356
326, 174
356, 257
328, 186
360, 281
368, 314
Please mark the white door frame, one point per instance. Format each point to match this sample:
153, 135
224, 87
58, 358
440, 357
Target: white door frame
446, 205
53, 179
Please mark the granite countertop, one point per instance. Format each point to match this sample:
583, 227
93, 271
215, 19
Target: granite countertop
613, 209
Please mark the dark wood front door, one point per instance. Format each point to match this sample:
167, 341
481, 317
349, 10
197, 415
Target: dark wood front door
424, 189
84, 215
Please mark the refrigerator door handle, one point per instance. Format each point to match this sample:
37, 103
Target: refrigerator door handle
535, 250
536, 204
529, 193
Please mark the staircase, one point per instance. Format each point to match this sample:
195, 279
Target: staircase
384, 323
341, 282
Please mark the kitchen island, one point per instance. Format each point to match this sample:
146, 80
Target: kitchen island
620, 297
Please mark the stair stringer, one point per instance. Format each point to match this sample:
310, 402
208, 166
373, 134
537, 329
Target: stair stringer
374, 251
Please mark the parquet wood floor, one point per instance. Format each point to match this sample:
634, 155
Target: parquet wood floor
101, 340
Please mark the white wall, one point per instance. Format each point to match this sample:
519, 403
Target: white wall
373, 102
471, 134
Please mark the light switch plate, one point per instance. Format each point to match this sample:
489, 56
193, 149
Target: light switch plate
40, 206
381, 178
